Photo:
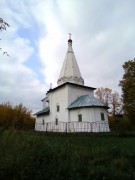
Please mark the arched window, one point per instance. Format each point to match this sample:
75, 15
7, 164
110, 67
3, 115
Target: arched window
57, 107
43, 121
56, 121
102, 116
79, 117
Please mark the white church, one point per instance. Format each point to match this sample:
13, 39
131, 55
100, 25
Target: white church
71, 106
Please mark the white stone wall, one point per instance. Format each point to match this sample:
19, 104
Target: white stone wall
59, 97
88, 114
75, 92
45, 102
40, 119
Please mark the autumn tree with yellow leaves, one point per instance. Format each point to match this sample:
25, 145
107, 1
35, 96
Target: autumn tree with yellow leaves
17, 117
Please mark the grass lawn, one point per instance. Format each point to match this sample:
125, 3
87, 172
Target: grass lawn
36, 156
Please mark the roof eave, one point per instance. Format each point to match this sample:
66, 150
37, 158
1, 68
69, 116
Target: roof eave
71, 108
69, 83
44, 113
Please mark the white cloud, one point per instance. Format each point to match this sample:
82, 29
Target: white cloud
103, 39
49, 51
19, 83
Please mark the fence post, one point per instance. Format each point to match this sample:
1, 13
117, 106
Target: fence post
100, 127
66, 127
46, 126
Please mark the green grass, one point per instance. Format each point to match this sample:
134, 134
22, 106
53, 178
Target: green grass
36, 156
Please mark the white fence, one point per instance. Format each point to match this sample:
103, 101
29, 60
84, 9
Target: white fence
73, 127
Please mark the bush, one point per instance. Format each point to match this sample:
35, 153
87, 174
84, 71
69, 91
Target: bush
120, 124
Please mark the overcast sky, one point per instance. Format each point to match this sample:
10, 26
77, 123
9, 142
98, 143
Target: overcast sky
103, 34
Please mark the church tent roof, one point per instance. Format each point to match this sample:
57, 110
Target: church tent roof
86, 101
70, 71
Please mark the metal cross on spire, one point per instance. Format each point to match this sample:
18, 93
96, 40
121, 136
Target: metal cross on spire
69, 35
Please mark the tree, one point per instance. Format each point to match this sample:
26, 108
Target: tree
3, 27
104, 95
18, 117
128, 90
115, 103
109, 98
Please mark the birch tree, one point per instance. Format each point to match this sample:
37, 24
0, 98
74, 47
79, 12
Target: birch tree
110, 99
3, 27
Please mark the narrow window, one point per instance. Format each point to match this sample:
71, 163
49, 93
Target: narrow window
79, 117
102, 116
56, 121
58, 108
43, 121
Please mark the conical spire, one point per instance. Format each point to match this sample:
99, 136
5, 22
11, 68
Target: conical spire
70, 71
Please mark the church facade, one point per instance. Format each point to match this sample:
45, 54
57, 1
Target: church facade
71, 106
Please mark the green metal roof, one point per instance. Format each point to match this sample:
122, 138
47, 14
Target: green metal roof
86, 101
43, 112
